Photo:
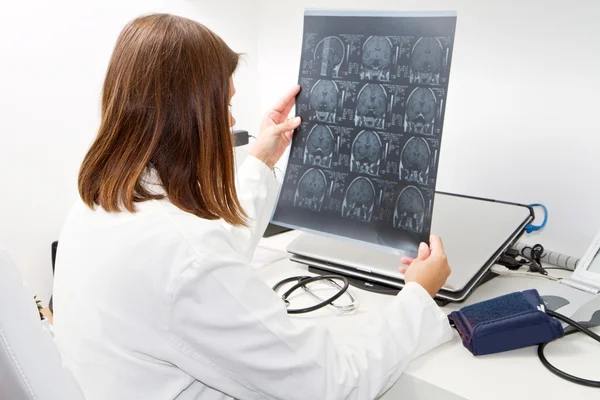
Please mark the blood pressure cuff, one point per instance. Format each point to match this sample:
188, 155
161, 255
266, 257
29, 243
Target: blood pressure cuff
505, 323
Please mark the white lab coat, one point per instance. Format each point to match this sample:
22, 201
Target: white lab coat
160, 304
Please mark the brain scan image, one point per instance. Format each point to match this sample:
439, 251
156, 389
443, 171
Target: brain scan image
310, 192
319, 148
409, 212
328, 56
371, 106
426, 61
366, 152
414, 161
359, 200
420, 111
323, 100
376, 58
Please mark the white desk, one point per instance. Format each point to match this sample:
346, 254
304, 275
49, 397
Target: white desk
450, 371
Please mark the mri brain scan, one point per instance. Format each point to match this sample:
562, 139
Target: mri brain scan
426, 61
376, 58
371, 106
409, 212
319, 147
310, 192
328, 56
420, 111
323, 100
414, 161
359, 200
366, 153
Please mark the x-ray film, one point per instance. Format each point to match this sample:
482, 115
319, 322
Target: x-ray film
363, 163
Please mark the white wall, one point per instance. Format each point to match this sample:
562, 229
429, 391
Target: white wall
519, 120
54, 56
521, 113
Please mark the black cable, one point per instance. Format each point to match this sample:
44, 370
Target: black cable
534, 257
578, 328
305, 280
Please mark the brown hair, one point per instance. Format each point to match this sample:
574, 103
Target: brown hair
165, 106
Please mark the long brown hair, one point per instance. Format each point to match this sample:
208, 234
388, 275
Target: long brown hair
165, 107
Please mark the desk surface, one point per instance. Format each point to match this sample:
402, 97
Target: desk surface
450, 371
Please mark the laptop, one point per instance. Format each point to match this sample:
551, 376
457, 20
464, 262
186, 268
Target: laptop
475, 232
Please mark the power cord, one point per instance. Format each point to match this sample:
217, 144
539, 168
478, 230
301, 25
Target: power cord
577, 328
507, 272
531, 256
549, 257
560, 268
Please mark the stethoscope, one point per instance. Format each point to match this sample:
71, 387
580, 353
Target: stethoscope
303, 281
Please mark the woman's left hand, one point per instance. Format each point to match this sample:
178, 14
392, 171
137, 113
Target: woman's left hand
276, 130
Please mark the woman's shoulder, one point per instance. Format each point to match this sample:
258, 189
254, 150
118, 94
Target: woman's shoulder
152, 219
202, 235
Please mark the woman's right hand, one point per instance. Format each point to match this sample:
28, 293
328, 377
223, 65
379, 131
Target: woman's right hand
276, 130
430, 269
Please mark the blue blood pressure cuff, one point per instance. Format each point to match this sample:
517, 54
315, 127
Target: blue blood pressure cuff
505, 323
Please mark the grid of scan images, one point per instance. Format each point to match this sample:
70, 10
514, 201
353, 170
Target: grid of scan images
363, 164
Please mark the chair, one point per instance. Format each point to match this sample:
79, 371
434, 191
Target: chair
30, 364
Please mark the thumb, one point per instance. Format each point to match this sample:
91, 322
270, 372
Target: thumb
424, 251
288, 125
436, 244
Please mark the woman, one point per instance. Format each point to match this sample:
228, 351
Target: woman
155, 297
